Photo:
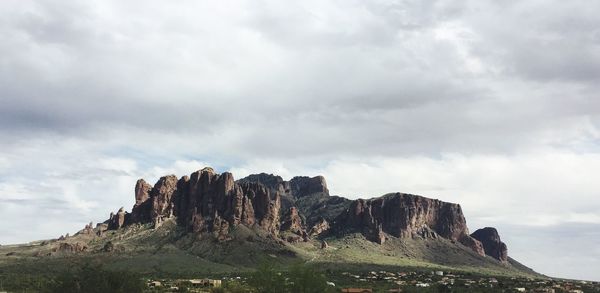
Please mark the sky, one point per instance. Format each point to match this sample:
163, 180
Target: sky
490, 104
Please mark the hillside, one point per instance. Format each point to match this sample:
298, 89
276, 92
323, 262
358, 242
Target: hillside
210, 223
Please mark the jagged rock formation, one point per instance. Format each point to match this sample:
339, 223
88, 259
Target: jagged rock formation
293, 223
492, 244
319, 228
210, 203
116, 221
71, 247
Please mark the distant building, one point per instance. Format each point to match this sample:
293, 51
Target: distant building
205, 283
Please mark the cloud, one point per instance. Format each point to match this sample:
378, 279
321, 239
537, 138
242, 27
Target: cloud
490, 104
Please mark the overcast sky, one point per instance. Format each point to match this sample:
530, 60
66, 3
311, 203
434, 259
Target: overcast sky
491, 104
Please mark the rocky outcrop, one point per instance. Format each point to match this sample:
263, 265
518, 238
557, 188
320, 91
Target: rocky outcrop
403, 215
319, 228
273, 182
208, 202
473, 244
292, 222
302, 186
71, 247
87, 230
142, 191
492, 245
101, 228
324, 244
116, 221
204, 202
297, 187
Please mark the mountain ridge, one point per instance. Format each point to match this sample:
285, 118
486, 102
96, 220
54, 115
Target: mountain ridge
210, 202
210, 220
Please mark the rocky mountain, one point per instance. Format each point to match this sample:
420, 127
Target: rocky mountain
209, 222
297, 210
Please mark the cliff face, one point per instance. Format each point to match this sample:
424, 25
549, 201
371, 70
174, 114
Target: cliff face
492, 244
297, 187
208, 202
403, 215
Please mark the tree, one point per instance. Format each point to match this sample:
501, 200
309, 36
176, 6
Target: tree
267, 280
305, 279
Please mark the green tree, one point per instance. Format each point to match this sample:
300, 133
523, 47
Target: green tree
305, 279
267, 280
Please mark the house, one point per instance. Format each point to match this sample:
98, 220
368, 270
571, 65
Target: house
357, 290
205, 283
155, 284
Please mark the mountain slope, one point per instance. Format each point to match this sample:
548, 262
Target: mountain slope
210, 222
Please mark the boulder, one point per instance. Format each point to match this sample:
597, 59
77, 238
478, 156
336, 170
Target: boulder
324, 244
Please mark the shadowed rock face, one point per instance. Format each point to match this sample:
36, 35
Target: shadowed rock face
208, 202
301, 186
403, 215
298, 187
492, 244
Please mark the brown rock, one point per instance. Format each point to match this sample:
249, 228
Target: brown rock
402, 215
142, 192
162, 197
101, 228
492, 245
472, 243
292, 222
116, 221
319, 227
324, 244
302, 186
71, 247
